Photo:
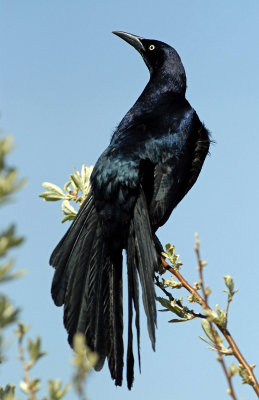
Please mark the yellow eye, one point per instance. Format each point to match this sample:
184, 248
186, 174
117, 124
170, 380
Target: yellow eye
151, 47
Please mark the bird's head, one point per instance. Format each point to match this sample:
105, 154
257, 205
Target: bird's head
159, 57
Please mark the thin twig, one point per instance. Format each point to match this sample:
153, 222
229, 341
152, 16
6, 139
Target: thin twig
220, 358
26, 371
227, 308
224, 331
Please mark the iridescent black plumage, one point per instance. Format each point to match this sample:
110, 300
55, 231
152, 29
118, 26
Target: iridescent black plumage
154, 158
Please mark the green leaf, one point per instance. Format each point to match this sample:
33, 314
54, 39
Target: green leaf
68, 209
81, 180
5, 276
6, 146
222, 320
21, 330
173, 307
178, 320
8, 393
51, 187
68, 218
54, 192
56, 392
207, 329
83, 360
33, 387
233, 369
8, 313
8, 176
229, 282
34, 350
8, 239
171, 256
76, 179
244, 375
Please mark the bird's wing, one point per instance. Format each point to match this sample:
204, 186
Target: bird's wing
167, 160
182, 154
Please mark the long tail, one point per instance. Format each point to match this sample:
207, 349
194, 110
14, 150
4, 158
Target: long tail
142, 257
89, 283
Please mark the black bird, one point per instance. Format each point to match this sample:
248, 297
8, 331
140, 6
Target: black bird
154, 158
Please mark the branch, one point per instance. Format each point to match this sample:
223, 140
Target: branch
215, 338
29, 383
236, 352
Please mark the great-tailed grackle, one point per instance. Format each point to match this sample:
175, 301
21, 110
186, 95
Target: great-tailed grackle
154, 157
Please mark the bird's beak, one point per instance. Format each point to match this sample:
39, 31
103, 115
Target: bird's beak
134, 40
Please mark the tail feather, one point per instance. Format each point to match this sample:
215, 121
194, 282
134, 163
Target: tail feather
79, 285
91, 285
146, 262
115, 356
133, 297
141, 257
88, 280
64, 250
104, 338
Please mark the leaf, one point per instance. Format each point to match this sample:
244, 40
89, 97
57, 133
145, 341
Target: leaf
51, 187
173, 307
83, 360
81, 180
21, 330
33, 387
5, 276
244, 375
78, 182
69, 211
55, 389
8, 393
172, 257
8, 178
233, 369
8, 313
34, 350
178, 320
54, 192
68, 218
209, 343
164, 302
172, 283
6, 145
229, 282
222, 319
9, 239
207, 329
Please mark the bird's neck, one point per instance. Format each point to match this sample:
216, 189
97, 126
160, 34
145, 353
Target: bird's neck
168, 79
162, 88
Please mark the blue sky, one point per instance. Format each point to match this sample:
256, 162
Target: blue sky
65, 83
